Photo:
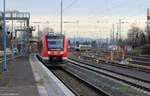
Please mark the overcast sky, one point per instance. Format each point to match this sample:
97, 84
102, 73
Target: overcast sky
87, 12
79, 7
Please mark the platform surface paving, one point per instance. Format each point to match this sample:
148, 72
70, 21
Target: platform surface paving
18, 80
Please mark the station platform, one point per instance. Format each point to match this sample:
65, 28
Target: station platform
27, 76
18, 80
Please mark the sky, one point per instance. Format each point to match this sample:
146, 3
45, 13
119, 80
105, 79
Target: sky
79, 7
87, 12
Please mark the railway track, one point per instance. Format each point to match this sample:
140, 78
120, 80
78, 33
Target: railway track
77, 85
140, 60
101, 80
134, 59
140, 67
130, 80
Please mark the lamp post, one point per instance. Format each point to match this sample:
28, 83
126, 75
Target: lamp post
61, 16
77, 35
97, 34
4, 21
120, 27
120, 37
113, 33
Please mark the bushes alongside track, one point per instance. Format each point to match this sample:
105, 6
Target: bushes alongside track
142, 50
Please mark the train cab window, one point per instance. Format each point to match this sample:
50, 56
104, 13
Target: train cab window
55, 43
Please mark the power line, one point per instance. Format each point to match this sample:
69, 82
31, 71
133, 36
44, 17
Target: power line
137, 11
116, 7
133, 7
70, 5
121, 4
113, 7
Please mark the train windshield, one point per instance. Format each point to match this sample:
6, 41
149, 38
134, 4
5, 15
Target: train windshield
55, 43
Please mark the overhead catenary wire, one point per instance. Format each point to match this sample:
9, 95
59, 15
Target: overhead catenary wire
141, 4
121, 4
135, 11
118, 7
70, 5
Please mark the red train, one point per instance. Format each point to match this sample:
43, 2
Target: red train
54, 48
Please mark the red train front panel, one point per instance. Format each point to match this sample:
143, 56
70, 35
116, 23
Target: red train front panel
54, 47
44, 50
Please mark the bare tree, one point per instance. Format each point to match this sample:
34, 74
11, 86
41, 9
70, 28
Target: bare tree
134, 36
142, 39
147, 36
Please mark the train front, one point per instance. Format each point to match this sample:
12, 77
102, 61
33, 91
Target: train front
57, 48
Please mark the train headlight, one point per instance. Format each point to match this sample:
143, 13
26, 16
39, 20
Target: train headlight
61, 52
49, 52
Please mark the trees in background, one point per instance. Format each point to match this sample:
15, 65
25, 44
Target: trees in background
136, 37
147, 35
